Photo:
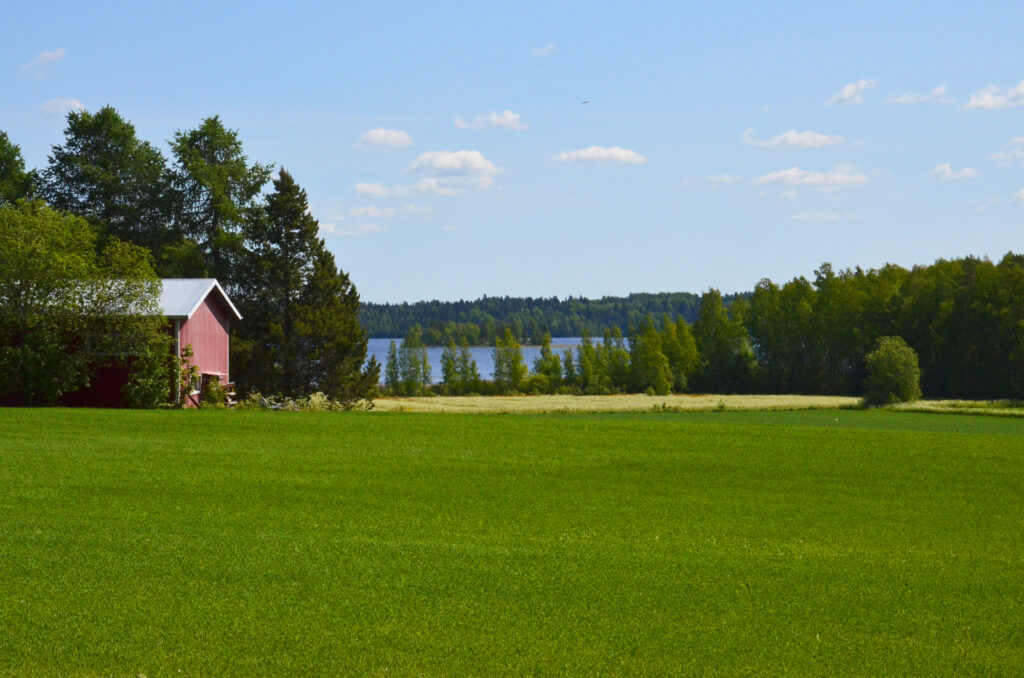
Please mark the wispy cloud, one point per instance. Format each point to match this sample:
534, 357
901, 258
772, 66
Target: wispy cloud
945, 173
374, 212
1018, 197
602, 154
449, 227
724, 178
361, 229
841, 175
788, 194
38, 65
993, 97
386, 138
937, 95
820, 216
61, 106
442, 186
1014, 151
547, 50
852, 93
794, 139
504, 120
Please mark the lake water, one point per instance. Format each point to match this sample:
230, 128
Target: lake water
481, 354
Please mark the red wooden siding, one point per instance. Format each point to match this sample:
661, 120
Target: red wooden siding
207, 331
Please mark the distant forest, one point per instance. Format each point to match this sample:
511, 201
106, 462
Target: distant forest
482, 321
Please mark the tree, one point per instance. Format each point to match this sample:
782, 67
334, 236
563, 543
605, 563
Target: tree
726, 358
649, 368
509, 368
548, 365
15, 182
66, 312
215, 191
893, 373
413, 363
301, 332
106, 175
392, 378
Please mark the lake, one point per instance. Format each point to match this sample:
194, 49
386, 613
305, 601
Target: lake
481, 354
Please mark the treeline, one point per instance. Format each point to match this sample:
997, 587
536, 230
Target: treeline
483, 321
206, 211
964, 319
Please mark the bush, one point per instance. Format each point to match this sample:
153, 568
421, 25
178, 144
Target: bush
893, 373
213, 394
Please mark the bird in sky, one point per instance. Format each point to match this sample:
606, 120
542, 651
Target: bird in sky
587, 101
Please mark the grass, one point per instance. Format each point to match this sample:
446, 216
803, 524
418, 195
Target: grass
541, 404
272, 543
998, 408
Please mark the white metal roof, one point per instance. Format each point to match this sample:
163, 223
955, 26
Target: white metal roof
181, 297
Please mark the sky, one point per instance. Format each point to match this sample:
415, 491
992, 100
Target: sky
453, 150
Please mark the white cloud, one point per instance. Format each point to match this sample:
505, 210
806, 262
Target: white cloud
504, 120
449, 227
1018, 197
788, 194
387, 138
1014, 151
38, 65
453, 163
62, 106
442, 186
794, 139
547, 50
945, 172
937, 95
724, 178
602, 154
841, 175
852, 93
993, 97
391, 212
361, 229
820, 216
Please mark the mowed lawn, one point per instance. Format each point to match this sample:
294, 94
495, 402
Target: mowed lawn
274, 543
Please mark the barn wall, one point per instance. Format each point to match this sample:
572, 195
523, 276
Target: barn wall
207, 331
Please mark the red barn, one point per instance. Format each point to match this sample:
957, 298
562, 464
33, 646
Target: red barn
202, 313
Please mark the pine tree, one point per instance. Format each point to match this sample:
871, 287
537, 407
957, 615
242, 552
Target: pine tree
301, 331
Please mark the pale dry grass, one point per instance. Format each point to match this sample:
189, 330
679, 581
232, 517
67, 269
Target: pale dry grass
613, 403
1000, 408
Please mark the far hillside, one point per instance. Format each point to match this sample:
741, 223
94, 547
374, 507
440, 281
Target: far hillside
482, 320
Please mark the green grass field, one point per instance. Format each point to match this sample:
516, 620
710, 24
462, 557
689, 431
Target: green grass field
263, 543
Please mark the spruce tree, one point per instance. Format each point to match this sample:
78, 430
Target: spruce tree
300, 333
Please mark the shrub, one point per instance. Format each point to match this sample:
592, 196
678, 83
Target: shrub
213, 394
893, 373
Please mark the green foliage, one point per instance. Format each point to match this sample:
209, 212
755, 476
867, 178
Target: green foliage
301, 332
627, 544
15, 182
413, 364
66, 312
106, 175
392, 377
213, 394
650, 370
216, 189
893, 373
727, 360
509, 368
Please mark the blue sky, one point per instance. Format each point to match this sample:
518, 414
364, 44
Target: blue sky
448, 153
